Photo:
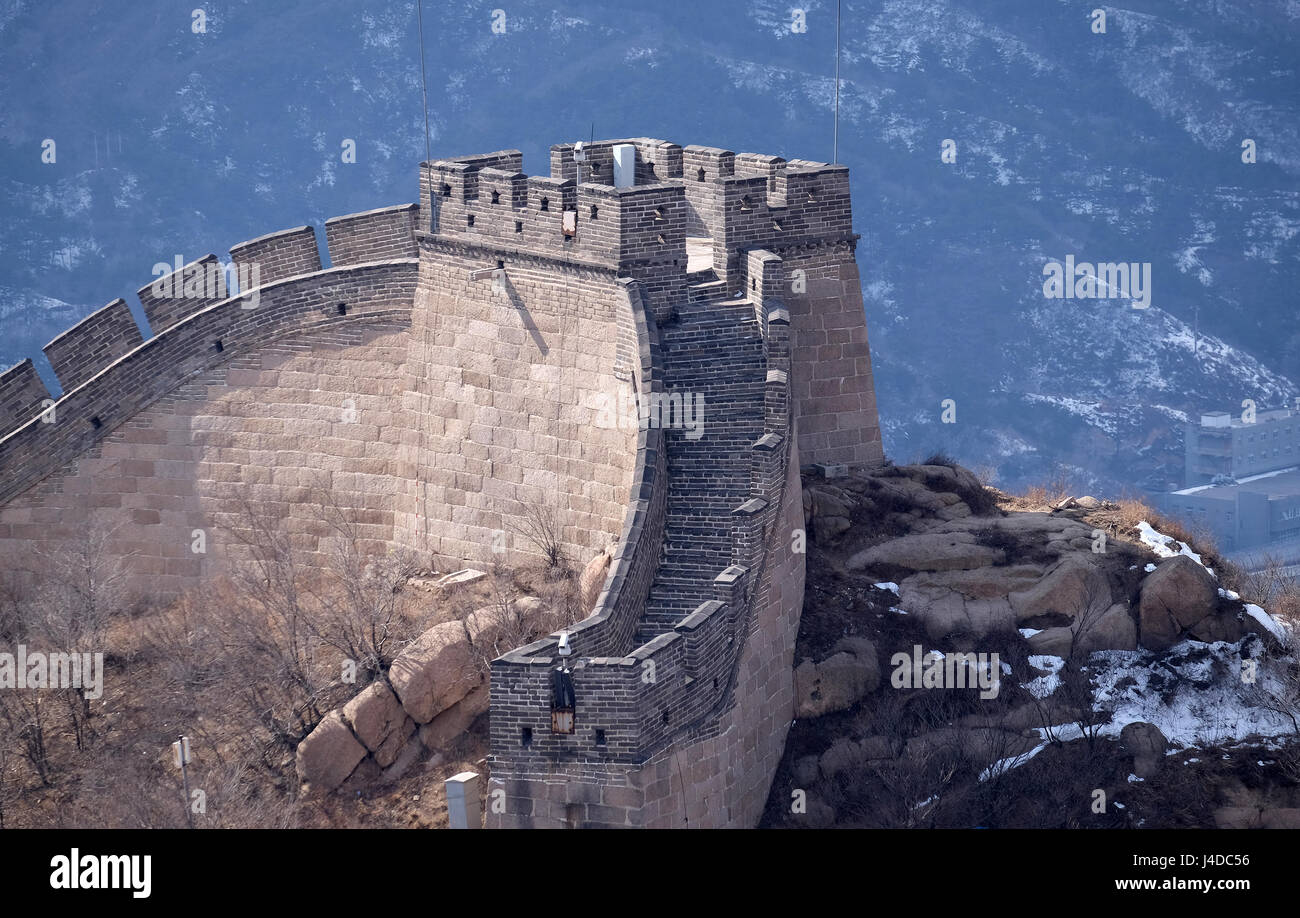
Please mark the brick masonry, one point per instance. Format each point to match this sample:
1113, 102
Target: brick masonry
94, 342
21, 395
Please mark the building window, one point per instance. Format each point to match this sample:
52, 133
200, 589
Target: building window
496, 197
546, 203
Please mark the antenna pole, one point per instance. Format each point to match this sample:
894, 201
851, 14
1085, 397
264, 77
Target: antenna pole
424, 81
835, 148
428, 181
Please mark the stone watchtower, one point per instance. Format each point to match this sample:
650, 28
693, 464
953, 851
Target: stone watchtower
723, 279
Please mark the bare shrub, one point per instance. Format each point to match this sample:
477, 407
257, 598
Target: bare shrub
539, 525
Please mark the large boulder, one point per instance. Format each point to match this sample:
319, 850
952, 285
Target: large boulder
838, 682
378, 720
1178, 597
1146, 744
945, 477
329, 754
1113, 629
964, 602
827, 511
434, 672
498, 628
447, 726
1068, 592
1052, 642
929, 551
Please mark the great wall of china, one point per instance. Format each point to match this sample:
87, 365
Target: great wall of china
453, 365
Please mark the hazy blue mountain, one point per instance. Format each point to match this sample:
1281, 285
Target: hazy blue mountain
1117, 147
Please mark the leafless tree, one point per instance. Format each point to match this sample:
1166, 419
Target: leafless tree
539, 526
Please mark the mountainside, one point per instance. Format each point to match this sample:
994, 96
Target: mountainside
1123, 146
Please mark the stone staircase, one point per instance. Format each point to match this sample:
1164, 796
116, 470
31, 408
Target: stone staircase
712, 348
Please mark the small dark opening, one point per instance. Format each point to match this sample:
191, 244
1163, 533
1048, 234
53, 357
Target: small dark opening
715, 683
776, 225
699, 176
661, 239
526, 737
218, 346
600, 737
342, 308
753, 284
96, 423
496, 197
501, 263
594, 211
665, 716
744, 203
446, 190
469, 219
519, 226
659, 213
546, 203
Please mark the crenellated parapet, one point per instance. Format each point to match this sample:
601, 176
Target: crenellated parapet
179, 293
109, 372
636, 218
375, 235
94, 342
276, 256
22, 394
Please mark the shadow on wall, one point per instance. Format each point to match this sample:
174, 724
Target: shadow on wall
524, 315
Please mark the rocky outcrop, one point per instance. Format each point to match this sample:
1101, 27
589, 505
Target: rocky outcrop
1069, 592
329, 754
971, 582
838, 682
945, 551
1146, 744
435, 689
1181, 599
1113, 629
434, 672
379, 721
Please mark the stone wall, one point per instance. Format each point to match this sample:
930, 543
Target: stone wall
512, 387
299, 402
832, 380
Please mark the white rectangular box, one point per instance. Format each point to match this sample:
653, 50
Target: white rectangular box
624, 165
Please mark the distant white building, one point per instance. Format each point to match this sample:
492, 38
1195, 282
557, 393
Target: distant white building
1243, 479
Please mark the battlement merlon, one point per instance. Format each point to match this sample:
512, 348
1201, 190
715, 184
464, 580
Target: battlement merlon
739, 201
